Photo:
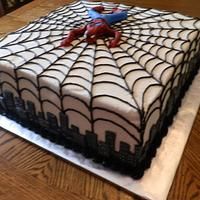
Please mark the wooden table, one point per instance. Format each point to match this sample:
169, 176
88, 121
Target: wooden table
30, 173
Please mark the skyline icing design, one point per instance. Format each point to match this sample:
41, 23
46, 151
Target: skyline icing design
123, 90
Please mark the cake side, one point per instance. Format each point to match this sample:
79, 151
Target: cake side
113, 103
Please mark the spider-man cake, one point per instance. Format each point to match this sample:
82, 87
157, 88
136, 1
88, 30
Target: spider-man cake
104, 86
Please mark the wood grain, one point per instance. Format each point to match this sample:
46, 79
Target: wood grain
28, 173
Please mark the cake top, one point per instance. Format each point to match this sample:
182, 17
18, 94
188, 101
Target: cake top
133, 74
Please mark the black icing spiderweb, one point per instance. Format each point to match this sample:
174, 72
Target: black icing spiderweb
103, 86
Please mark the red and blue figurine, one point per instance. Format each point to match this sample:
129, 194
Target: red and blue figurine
99, 27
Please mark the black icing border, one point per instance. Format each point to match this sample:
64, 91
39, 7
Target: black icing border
101, 152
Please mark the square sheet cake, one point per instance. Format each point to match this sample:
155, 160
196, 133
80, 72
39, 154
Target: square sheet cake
112, 104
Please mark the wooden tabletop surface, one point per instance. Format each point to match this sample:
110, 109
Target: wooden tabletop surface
30, 173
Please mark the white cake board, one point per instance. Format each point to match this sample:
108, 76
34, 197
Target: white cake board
157, 180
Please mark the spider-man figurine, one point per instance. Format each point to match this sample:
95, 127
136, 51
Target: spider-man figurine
99, 27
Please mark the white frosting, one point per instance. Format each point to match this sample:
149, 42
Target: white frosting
98, 88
